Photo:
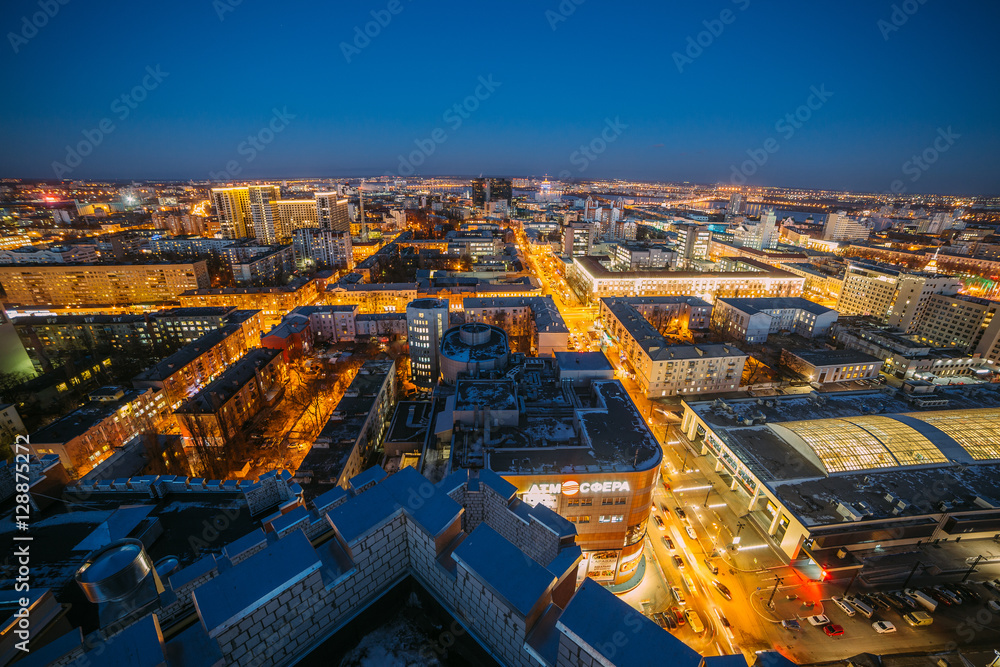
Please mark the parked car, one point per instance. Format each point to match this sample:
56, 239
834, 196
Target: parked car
818, 620
722, 589
918, 618
833, 630
659, 522
893, 600
791, 624
712, 567
883, 627
678, 615
660, 620
671, 621
690, 531
877, 601
993, 605
840, 602
678, 593
669, 543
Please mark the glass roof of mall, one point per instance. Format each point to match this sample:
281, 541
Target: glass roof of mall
870, 442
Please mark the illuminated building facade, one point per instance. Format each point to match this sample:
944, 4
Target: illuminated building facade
100, 284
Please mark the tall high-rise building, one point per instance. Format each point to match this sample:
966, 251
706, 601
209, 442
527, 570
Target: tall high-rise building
768, 230
426, 322
735, 205
232, 205
912, 294
578, 239
692, 242
895, 297
324, 247
491, 189
840, 227
293, 214
332, 211
262, 213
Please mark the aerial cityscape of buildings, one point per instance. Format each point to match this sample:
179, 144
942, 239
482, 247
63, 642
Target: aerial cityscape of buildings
565, 423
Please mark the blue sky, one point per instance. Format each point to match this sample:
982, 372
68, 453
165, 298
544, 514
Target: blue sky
559, 73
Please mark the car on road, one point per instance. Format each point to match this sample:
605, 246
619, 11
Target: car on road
659, 522
694, 620
690, 531
883, 627
712, 567
677, 593
791, 624
679, 562
665, 510
918, 618
833, 630
678, 615
818, 620
722, 589
680, 513
668, 543
722, 618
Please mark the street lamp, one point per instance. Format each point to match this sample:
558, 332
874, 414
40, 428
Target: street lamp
777, 581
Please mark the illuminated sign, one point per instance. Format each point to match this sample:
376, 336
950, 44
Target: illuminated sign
572, 488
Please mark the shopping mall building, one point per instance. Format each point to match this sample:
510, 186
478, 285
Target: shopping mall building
579, 447
824, 475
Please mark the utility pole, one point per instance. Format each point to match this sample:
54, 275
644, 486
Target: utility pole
851, 583
910, 576
770, 600
972, 568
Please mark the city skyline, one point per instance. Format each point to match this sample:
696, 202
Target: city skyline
810, 97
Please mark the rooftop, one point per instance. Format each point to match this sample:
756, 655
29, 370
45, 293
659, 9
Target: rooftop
82, 419
495, 346
833, 357
187, 354
776, 303
216, 393
491, 394
583, 361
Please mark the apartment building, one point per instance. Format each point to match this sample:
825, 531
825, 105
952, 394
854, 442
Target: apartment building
536, 316
662, 369
964, 322
896, 297
827, 366
87, 436
373, 298
293, 215
752, 320
198, 363
79, 253
216, 414
751, 279
663, 312
632, 257
322, 248
273, 302
268, 268
100, 284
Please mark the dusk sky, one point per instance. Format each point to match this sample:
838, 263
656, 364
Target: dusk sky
892, 90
